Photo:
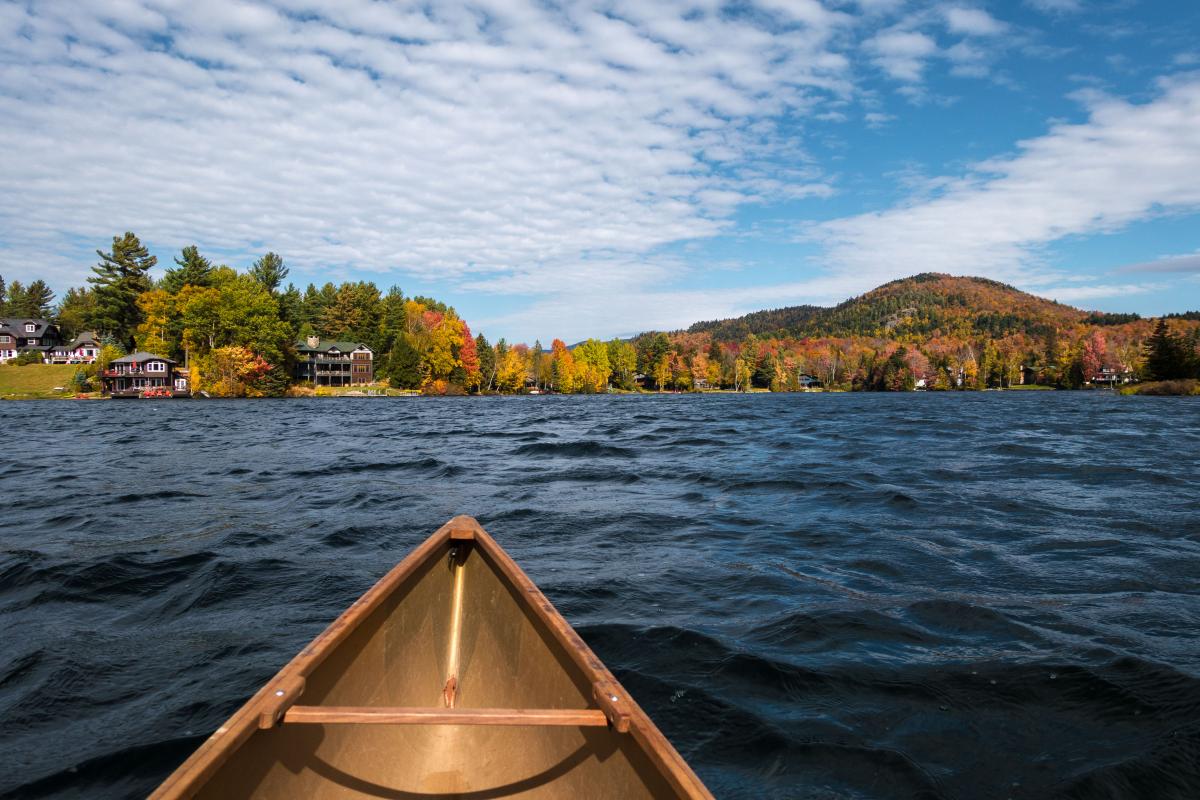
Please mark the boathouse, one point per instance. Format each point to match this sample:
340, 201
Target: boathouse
143, 374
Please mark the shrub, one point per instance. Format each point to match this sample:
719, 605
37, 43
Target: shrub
28, 357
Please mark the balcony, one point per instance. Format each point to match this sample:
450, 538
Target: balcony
135, 373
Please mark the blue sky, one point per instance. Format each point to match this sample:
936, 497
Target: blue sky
596, 169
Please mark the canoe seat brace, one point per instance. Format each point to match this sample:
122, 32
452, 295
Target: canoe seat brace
281, 709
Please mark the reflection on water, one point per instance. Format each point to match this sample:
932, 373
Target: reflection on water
985, 595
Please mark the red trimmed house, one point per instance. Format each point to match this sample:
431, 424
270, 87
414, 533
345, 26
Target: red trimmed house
143, 374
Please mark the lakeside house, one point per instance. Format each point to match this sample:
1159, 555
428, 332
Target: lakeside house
23, 335
85, 349
1111, 376
324, 362
141, 374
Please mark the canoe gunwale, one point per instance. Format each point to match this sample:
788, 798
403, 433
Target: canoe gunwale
270, 705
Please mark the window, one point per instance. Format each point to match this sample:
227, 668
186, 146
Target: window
33, 342
30, 327
155, 366
5, 340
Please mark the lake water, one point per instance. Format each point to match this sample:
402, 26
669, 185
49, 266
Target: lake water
826, 595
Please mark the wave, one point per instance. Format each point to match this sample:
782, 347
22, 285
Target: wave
584, 448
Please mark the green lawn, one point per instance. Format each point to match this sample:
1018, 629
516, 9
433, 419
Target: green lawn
35, 380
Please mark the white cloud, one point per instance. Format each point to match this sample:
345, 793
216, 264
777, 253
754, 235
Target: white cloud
972, 22
1188, 263
1056, 6
1128, 162
902, 54
1078, 294
439, 141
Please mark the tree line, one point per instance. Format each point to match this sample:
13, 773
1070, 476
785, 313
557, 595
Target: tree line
237, 332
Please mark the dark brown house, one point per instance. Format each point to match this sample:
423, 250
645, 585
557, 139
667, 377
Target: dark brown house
322, 362
144, 374
20, 335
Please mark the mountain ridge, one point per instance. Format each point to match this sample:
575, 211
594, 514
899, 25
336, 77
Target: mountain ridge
919, 306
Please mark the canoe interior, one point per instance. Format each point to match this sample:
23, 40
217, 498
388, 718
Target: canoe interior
399, 656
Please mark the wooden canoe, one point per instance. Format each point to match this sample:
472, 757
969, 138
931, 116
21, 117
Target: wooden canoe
452, 677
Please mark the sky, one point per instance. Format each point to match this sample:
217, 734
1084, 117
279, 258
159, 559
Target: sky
599, 169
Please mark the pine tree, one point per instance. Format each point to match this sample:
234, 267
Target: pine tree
1166, 359
487, 363
121, 276
404, 365
31, 301
193, 270
269, 271
3, 297
38, 298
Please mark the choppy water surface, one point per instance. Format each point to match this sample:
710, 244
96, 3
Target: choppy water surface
857, 596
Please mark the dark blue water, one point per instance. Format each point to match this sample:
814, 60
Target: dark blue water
851, 596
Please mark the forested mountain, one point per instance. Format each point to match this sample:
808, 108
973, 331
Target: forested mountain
773, 322
920, 307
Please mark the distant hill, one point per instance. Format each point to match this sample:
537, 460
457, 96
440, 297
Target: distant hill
918, 307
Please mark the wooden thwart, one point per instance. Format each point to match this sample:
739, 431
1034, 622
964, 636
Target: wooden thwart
331, 715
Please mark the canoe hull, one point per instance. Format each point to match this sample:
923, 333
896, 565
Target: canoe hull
456, 624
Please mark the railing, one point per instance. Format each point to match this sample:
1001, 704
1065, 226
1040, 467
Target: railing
138, 373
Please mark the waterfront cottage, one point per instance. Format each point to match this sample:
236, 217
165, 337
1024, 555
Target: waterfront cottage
330, 363
22, 335
143, 374
85, 349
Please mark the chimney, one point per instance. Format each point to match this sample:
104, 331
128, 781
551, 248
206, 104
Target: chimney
314, 341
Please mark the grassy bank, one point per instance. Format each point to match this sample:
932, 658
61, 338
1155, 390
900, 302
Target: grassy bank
1165, 388
34, 381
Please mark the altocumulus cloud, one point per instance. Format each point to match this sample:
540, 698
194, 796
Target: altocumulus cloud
494, 143
548, 151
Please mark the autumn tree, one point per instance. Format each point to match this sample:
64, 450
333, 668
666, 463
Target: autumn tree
592, 359
1094, 352
468, 358
622, 360
567, 377
154, 334
232, 371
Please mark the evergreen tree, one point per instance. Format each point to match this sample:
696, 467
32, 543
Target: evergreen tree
316, 301
291, 309
3, 298
269, 271
487, 363
74, 310
193, 270
31, 301
38, 298
1166, 358
16, 300
404, 365
120, 277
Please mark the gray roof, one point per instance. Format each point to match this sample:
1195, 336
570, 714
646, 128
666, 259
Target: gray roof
325, 345
139, 357
17, 325
87, 337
